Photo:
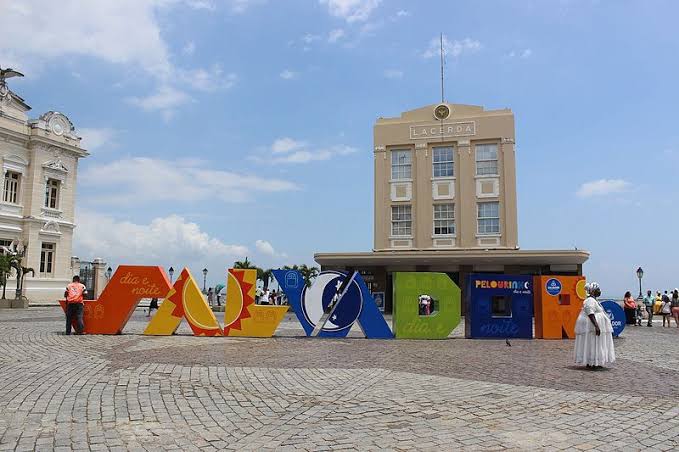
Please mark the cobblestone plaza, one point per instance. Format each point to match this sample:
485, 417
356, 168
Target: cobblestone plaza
133, 392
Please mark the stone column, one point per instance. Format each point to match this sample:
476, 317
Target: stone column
75, 266
100, 280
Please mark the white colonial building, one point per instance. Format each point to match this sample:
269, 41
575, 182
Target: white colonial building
39, 163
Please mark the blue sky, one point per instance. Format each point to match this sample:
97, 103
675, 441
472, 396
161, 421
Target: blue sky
220, 129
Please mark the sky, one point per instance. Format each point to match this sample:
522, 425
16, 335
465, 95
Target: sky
233, 128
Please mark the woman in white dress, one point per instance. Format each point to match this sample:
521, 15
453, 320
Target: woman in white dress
593, 332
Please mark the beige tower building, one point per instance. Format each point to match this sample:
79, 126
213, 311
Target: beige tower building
445, 178
445, 200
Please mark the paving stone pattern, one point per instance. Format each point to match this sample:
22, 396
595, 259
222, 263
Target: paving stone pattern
132, 392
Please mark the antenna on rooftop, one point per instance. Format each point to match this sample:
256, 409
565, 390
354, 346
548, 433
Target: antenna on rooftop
442, 64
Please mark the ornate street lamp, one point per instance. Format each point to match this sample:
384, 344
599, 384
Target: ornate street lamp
640, 275
108, 273
171, 272
204, 280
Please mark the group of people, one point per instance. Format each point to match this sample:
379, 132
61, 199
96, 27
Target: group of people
665, 304
266, 297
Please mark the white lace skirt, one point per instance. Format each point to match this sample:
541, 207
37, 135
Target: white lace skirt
590, 348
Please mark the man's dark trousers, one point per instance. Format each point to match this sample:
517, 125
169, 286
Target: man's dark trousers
75, 311
649, 309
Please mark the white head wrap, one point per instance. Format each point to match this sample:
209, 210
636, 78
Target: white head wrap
591, 287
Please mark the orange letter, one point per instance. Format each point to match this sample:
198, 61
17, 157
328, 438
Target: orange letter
128, 285
556, 312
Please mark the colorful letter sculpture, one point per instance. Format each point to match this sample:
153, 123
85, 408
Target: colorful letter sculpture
242, 317
408, 323
309, 303
128, 285
185, 300
499, 306
558, 301
616, 313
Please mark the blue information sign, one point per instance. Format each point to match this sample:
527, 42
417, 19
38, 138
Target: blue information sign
553, 286
616, 314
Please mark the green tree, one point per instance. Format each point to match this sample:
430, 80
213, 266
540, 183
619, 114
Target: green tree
246, 264
308, 273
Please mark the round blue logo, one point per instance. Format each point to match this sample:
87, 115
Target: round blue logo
315, 300
616, 314
553, 286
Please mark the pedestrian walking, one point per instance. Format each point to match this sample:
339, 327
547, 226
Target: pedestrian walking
649, 300
153, 305
210, 296
75, 299
675, 306
666, 311
630, 308
593, 332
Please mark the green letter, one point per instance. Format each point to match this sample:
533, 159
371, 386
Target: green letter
408, 323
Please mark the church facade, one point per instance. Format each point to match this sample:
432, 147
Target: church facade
39, 168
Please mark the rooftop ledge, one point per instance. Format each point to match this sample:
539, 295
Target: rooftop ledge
456, 256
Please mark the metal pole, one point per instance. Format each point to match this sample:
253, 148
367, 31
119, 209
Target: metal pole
640, 294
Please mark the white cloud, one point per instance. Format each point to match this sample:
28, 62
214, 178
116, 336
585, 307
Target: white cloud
289, 150
603, 187
94, 138
265, 248
165, 100
138, 180
523, 54
169, 240
286, 144
288, 74
189, 48
402, 13
306, 156
453, 48
201, 4
335, 35
208, 80
351, 10
393, 73
124, 33
310, 38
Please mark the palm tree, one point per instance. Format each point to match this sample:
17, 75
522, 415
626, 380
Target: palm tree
243, 264
308, 273
265, 276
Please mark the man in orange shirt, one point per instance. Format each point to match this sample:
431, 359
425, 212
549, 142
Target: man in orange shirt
75, 298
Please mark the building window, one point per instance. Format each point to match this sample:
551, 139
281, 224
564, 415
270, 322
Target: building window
47, 259
52, 193
11, 189
486, 159
444, 219
489, 218
401, 221
444, 164
401, 165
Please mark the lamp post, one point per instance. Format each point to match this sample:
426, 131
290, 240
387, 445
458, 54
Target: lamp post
171, 272
640, 275
108, 273
204, 280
